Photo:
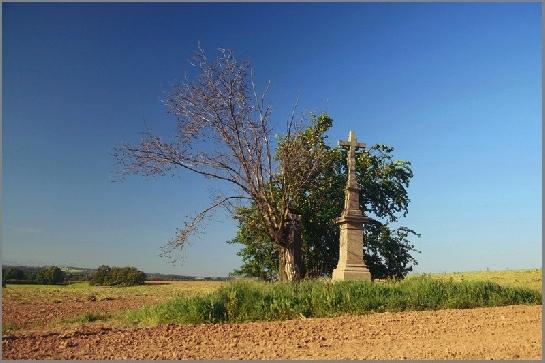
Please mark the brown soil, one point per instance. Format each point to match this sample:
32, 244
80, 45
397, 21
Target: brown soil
512, 332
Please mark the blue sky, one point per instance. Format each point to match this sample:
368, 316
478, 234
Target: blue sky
455, 88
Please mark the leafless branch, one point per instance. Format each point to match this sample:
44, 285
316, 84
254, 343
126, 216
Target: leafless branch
191, 227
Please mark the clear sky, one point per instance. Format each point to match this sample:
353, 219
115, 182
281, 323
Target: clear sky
455, 88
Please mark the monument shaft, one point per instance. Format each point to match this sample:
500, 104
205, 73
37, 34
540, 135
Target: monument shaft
351, 265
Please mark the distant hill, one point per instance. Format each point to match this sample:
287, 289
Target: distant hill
155, 276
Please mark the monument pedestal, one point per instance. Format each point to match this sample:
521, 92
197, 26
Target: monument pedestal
351, 273
351, 265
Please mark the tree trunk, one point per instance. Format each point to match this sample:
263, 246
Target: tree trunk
289, 257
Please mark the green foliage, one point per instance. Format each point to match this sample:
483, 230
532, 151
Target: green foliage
259, 255
101, 276
117, 276
384, 182
89, 317
255, 301
388, 251
14, 273
51, 275
47, 275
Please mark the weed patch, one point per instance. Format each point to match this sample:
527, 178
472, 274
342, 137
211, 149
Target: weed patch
8, 328
89, 317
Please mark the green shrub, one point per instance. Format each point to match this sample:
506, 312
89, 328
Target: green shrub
50, 275
254, 301
117, 276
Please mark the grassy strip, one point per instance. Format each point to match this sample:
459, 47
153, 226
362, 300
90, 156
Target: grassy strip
255, 301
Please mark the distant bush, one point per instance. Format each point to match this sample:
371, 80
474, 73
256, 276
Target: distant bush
77, 277
117, 276
253, 301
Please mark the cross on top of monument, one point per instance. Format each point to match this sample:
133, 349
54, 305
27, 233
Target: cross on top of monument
352, 141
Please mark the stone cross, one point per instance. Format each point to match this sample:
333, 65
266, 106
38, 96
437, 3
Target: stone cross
352, 200
351, 265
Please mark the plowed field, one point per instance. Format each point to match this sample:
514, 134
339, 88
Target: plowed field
511, 332
43, 307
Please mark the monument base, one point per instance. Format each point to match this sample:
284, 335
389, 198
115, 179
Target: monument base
360, 272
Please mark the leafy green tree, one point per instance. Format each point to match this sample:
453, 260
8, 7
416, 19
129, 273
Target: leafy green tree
259, 255
100, 276
51, 275
383, 196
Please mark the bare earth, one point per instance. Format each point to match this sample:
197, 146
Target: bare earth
512, 332
29, 315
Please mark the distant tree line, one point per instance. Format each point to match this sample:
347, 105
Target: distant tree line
103, 276
44, 275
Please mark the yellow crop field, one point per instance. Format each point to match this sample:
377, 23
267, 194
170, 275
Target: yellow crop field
82, 290
529, 278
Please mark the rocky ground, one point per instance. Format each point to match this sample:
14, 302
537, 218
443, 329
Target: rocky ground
512, 332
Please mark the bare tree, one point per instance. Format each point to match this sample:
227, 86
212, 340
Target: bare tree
223, 132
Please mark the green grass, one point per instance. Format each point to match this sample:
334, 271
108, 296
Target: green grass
89, 317
256, 301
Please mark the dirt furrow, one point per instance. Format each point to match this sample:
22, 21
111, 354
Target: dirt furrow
511, 332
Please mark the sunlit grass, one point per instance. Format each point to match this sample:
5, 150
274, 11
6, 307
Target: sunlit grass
255, 301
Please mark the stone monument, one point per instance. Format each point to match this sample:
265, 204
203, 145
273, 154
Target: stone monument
351, 265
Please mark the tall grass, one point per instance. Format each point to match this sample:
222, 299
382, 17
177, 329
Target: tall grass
255, 301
